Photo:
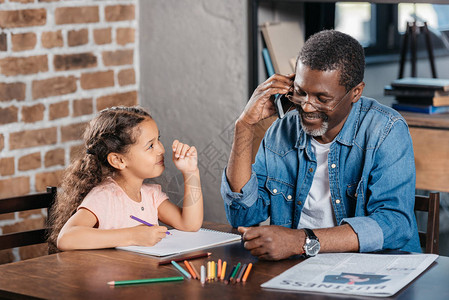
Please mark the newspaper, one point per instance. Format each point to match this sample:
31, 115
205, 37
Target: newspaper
377, 275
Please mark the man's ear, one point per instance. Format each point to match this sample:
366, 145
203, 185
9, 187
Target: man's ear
116, 160
357, 91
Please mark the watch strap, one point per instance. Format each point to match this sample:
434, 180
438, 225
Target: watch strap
310, 234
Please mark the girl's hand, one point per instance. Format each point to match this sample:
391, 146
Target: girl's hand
185, 157
143, 235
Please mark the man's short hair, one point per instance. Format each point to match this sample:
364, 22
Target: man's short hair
330, 50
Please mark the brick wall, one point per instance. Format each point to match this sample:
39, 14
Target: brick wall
60, 63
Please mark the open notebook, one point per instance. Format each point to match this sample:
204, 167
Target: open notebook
182, 241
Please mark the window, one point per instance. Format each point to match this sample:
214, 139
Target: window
379, 27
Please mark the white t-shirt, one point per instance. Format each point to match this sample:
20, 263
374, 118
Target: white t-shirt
317, 211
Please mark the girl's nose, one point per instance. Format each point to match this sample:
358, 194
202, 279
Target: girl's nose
160, 148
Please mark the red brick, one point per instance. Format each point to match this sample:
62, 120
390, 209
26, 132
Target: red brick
97, 80
48, 179
2, 142
119, 57
8, 216
54, 157
27, 213
82, 107
6, 166
13, 66
72, 132
78, 37
76, 15
102, 36
119, 13
59, 110
32, 138
126, 99
3, 42
52, 39
12, 91
125, 36
23, 41
23, 18
74, 61
12, 187
8, 115
77, 151
30, 161
22, 1
31, 114
6, 256
126, 77
53, 87
24, 225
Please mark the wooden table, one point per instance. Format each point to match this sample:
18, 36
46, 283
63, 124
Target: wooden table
84, 274
430, 135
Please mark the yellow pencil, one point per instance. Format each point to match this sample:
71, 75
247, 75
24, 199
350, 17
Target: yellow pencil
212, 277
223, 271
208, 270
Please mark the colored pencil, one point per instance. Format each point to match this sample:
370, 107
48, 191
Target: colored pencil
242, 270
247, 272
212, 277
203, 275
223, 271
237, 268
194, 270
189, 257
180, 269
148, 280
145, 222
186, 263
208, 270
219, 265
229, 275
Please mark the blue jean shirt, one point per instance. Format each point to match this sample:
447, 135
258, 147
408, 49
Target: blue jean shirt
371, 177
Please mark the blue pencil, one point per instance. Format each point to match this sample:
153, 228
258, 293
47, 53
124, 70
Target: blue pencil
180, 269
144, 222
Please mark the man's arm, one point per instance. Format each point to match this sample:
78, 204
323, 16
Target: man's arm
277, 242
259, 107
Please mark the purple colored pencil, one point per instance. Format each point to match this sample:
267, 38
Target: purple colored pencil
144, 222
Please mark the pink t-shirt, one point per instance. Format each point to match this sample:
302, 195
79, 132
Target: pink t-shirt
112, 207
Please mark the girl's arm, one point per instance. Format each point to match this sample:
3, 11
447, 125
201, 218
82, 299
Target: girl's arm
190, 217
79, 233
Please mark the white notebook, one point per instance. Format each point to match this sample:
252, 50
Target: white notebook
182, 241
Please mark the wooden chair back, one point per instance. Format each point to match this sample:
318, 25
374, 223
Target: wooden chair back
22, 203
430, 238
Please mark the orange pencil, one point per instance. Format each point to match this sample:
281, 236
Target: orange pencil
219, 268
223, 271
194, 270
186, 263
248, 269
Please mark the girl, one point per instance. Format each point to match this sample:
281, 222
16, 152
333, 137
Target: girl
103, 188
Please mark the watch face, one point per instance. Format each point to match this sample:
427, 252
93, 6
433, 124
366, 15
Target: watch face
312, 247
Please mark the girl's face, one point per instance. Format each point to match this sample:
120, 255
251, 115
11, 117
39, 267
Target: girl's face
145, 158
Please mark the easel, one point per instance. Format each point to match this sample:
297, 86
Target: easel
412, 32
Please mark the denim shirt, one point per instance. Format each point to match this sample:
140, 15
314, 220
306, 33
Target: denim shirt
371, 177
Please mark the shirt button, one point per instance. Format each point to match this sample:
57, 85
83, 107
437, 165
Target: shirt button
299, 202
275, 191
333, 166
289, 197
311, 170
337, 201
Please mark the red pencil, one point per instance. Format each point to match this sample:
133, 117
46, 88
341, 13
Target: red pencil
167, 261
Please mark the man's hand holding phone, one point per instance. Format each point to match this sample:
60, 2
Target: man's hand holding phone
261, 106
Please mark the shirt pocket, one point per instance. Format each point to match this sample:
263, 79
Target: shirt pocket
282, 202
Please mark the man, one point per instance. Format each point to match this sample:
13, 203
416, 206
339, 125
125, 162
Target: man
336, 174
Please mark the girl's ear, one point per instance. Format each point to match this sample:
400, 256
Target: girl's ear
116, 160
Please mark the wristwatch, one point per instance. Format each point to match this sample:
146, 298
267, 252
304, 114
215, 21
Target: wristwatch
312, 244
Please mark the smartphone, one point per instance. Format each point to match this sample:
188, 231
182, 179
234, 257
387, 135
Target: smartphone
282, 105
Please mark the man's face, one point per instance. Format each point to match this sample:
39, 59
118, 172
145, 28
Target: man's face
328, 104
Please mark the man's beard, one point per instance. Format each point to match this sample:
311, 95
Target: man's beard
316, 115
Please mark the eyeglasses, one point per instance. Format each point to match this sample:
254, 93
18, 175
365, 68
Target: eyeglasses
319, 105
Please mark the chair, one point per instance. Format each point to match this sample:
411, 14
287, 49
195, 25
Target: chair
430, 238
21, 203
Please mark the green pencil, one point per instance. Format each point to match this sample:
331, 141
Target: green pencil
148, 280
